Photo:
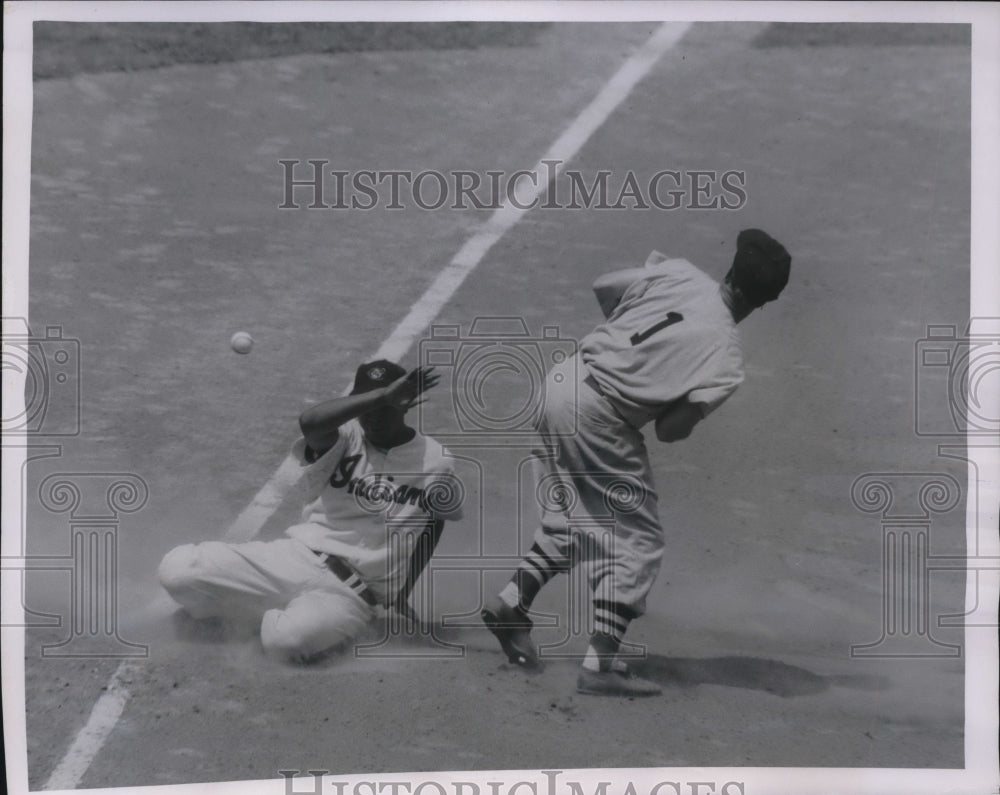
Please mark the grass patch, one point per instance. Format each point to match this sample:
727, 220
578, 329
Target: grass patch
63, 49
841, 34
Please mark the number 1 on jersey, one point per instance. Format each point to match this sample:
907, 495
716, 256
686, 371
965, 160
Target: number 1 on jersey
669, 320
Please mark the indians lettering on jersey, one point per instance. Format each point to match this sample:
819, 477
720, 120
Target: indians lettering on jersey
376, 489
359, 496
670, 337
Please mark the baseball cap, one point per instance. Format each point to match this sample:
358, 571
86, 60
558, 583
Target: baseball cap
760, 267
373, 375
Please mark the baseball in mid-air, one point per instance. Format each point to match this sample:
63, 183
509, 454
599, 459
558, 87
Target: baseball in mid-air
241, 342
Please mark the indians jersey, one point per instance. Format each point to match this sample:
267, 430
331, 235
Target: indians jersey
671, 336
368, 505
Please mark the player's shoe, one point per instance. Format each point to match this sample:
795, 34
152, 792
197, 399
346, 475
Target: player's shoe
512, 628
617, 682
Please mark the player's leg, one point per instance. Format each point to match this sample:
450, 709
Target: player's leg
622, 567
506, 616
551, 553
315, 621
552, 550
620, 541
238, 581
620, 582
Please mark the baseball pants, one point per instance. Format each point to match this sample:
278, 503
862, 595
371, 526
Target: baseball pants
303, 607
611, 527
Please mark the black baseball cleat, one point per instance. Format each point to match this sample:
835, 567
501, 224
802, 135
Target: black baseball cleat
618, 682
512, 628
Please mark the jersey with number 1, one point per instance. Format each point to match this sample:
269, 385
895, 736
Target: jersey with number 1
670, 336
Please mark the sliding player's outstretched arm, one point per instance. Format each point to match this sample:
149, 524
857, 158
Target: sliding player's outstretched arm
319, 423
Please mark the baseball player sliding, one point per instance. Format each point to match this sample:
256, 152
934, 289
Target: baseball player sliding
668, 352
378, 496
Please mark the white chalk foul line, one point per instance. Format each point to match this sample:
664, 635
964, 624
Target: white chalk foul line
102, 720
110, 705
528, 189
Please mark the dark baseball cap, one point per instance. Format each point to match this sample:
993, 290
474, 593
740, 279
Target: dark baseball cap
373, 375
760, 267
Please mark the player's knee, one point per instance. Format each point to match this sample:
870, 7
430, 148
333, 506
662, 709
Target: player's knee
178, 568
185, 571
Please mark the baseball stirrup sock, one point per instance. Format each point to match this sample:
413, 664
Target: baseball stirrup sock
537, 568
611, 621
601, 652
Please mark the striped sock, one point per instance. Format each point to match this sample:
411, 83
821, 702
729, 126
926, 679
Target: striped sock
510, 595
611, 618
611, 621
537, 568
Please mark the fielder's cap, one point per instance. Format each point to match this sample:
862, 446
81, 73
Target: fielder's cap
373, 375
760, 267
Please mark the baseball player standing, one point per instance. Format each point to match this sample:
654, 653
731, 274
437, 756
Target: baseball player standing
669, 352
378, 496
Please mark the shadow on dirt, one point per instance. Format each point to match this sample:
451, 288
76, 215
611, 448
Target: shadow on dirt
211, 630
751, 673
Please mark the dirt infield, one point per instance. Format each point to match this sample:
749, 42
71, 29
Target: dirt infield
156, 233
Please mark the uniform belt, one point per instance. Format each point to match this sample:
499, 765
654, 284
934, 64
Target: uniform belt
349, 576
592, 383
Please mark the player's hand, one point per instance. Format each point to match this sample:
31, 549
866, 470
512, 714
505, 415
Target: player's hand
677, 422
407, 391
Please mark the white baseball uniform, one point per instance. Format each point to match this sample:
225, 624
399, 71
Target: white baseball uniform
670, 336
375, 513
